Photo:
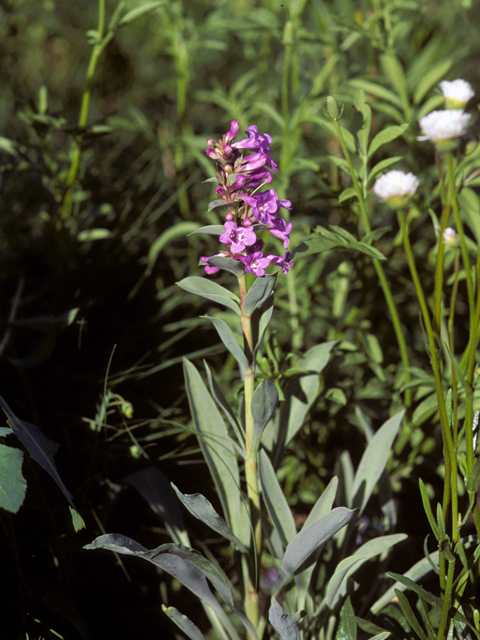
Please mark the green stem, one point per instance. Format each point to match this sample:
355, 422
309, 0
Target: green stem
66, 207
446, 602
251, 595
436, 366
379, 269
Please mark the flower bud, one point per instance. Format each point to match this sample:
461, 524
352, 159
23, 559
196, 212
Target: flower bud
450, 237
333, 110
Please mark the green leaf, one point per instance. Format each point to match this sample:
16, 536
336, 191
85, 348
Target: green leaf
218, 451
9, 146
219, 202
77, 520
373, 461
286, 628
154, 487
230, 342
363, 133
385, 136
222, 402
307, 541
347, 629
211, 230
137, 12
275, 501
430, 79
211, 291
183, 623
89, 235
376, 90
228, 264
13, 485
5, 431
334, 238
425, 409
329, 126
410, 616
258, 293
40, 448
179, 230
346, 194
381, 166
342, 571
394, 74
203, 510
264, 403
428, 509
325, 502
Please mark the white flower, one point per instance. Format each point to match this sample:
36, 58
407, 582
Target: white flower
444, 127
456, 93
450, 237
396, 188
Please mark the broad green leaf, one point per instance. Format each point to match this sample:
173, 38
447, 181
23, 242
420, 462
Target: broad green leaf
307, 541
264, 403
286, 628
386, 135
183, 623
347, 629
211, 291
229, 340
228, 264
154, 487
338, 583
211, 229
184, 563
222, 402
203, 510
346, 194
218, 451
435, 74
13, 485
214, 204
373, 462
275, 501
40, 448
179, 230
137, 12
258, 293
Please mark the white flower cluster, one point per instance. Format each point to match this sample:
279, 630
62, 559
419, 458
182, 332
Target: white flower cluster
446, 126
396, 188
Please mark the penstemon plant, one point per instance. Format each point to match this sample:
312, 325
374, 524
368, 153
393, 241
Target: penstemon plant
243, 446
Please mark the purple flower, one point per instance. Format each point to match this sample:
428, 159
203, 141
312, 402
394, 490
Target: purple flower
265, 205
281, 229
237, 237
282, 262
254, 140
255, 263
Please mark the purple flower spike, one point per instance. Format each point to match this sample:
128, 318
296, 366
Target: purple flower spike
256, 263
255, 140
237, 237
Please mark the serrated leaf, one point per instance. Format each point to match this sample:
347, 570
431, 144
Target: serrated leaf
202, 509
154, 487
286, 628
385, 136
373, 461
211, 291
229, 340
13, 485
307, 541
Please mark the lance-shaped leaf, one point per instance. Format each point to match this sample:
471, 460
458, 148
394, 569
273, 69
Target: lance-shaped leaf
373, 461
334, 238
274, 498
13, 485
156, 490
218, 451
217, 395
307, 541
386, 135
179, 230
228, 264
203, 510
183, 623
258, 293
228, 339
286, 628
264, 403
210, 230
210, 290
42, 450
